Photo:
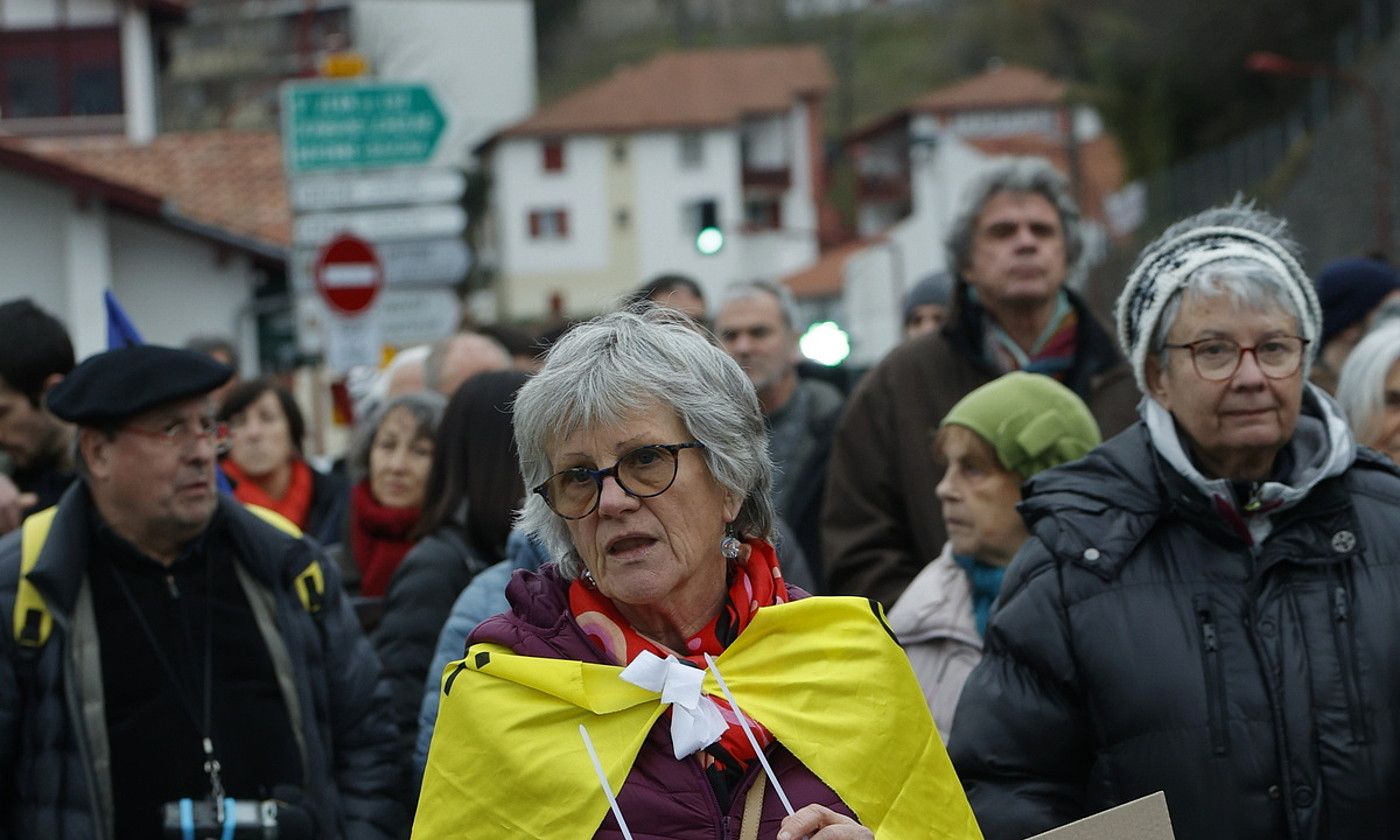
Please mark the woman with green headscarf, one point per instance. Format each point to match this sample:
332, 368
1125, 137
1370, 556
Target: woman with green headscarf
992, 441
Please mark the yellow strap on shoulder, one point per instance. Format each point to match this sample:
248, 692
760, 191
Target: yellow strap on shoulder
32, 620
275, 519
311, 583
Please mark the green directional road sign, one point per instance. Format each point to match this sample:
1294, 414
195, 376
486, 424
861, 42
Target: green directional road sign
358, 125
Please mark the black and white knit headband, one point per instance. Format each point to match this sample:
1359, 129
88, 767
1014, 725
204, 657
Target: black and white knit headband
1166, 267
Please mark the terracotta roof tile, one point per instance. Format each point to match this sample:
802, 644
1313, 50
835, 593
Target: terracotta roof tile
1002, 87
1009, 86
697, 88
230, 181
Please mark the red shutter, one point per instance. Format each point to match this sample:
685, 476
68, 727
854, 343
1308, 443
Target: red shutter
553, 155
561, 218
534, 224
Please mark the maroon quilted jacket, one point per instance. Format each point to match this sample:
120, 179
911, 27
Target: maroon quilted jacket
662, 799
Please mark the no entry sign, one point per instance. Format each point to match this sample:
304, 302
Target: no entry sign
348, 274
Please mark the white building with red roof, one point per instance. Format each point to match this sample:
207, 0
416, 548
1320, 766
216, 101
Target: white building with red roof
912, 168
1007, 110
186, 230
182, 228
601, 190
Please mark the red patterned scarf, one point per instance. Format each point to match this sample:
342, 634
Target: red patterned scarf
295, 503
756, 582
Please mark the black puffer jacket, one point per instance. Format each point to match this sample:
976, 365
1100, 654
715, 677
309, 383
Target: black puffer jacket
54, 768
420, 597
1141, 643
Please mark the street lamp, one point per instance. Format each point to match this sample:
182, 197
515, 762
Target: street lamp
1277, 65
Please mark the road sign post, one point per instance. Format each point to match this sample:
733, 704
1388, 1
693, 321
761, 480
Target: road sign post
349, 279
371, 210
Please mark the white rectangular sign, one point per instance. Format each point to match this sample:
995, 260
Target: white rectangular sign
336, 191
418, 316
440, 261
400, 318
352, 342
405, 262
424, 221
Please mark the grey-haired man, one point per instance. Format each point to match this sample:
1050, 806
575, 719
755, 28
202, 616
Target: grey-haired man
757, 324
1012, 247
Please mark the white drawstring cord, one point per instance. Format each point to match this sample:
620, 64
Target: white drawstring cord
603, 780
753, 742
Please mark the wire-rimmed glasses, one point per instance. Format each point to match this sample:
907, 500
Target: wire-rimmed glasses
1217, 359
644, 472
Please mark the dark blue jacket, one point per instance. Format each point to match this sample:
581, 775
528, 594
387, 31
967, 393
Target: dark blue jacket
54, 771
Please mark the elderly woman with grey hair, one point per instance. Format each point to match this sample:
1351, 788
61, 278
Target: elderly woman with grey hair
389, 462
659, 674
1369, 389
1207, 602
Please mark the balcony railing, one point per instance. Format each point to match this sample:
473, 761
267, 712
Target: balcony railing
883, 187
768, 178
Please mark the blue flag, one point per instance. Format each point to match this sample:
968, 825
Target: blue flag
120, 331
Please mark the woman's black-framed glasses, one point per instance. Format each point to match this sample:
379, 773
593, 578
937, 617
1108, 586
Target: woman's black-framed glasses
1217, 359
644, 472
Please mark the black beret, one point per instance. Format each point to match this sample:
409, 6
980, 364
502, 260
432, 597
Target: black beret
112, 386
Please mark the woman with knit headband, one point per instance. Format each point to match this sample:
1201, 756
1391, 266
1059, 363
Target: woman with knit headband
1207, 604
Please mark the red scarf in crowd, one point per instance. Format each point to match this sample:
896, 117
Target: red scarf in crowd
757, 582
295, 503
379, 538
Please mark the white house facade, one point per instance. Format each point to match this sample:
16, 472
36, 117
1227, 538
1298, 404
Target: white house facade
583, 214
64, 252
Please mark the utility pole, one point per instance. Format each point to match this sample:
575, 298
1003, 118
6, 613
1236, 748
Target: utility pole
685, 27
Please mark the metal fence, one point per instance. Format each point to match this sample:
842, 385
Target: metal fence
1242, 164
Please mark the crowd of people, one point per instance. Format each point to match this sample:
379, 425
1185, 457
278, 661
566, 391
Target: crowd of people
593, 587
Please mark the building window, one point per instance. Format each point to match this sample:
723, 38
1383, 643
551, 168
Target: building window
60, 73
622, 218
550, 223
553, 152
692, 150
619, 151
763, 214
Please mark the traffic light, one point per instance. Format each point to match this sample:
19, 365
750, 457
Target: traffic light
709, 238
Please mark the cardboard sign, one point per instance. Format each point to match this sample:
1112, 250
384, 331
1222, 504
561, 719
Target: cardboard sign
1141, 819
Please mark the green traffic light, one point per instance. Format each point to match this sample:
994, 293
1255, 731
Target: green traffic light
709, 240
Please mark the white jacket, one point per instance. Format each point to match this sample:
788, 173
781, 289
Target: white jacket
934, 622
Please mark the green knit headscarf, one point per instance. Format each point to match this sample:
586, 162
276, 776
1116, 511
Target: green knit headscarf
1032, 421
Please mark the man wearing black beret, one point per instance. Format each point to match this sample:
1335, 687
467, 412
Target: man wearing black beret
162, 643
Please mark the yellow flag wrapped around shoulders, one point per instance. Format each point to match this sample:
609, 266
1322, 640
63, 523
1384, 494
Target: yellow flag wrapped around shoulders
822, 674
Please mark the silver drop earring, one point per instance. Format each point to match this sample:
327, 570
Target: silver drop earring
588, 579
729, 547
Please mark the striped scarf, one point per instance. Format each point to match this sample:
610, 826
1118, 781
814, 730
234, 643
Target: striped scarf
1053, 352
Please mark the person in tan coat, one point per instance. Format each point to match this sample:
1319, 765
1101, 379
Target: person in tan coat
992, 441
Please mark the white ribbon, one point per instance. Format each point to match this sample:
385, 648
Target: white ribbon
696, 722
